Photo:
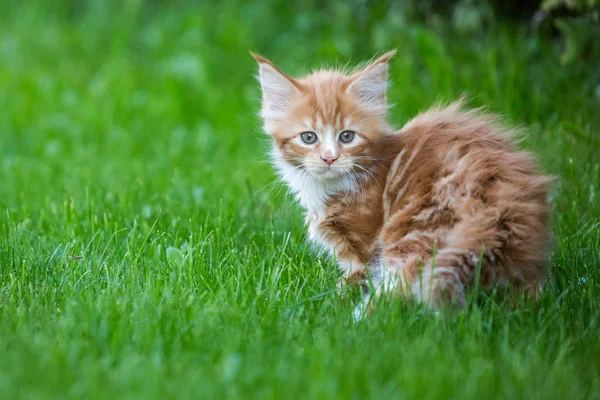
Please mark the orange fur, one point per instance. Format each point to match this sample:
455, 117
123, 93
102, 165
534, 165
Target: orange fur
429, 209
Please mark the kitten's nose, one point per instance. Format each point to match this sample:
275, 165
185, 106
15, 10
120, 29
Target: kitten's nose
329, 159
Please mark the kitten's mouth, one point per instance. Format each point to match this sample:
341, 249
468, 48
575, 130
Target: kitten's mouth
327, 173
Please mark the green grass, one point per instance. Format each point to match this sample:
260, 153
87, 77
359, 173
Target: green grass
144, 255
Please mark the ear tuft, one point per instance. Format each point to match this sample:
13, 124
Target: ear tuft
277, 89
385, 57
369, 84
259, 58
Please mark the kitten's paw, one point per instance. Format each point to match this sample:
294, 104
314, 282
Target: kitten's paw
353, 283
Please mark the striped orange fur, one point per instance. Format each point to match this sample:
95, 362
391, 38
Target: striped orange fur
424, 210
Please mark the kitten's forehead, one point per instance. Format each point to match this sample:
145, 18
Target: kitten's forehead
326, 102
324, 86
325, 77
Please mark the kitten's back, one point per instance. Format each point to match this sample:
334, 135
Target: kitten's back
460, 185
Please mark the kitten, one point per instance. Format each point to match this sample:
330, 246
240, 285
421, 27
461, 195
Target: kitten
426, 211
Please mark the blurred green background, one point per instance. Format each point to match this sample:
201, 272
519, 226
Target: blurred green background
146, 250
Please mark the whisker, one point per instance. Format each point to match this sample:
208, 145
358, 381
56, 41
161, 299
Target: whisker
366, 170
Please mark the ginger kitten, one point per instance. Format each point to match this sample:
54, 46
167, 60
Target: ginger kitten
424, 211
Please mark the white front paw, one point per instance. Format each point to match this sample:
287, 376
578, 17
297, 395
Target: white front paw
360, 311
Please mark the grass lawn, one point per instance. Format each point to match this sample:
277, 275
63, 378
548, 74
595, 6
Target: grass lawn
145, 251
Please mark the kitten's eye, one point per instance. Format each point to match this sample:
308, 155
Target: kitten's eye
347, 136
308, 137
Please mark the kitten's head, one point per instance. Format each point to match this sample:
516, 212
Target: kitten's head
328, 124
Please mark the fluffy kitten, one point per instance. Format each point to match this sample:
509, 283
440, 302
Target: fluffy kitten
426, 210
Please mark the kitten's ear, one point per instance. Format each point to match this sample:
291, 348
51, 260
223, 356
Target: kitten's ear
370, 83
277, 88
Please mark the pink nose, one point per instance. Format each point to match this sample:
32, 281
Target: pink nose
329, 160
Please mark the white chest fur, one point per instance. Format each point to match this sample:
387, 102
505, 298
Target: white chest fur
313, 194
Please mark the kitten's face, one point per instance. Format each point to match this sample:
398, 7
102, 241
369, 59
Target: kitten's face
326, 124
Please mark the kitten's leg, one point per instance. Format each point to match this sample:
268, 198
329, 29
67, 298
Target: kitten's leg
385, 277
354, 276
374, 279
388, 277
396, 277
355, 280
474, 254
434, 285
402, 260
439, 267
398, 266
439, 286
